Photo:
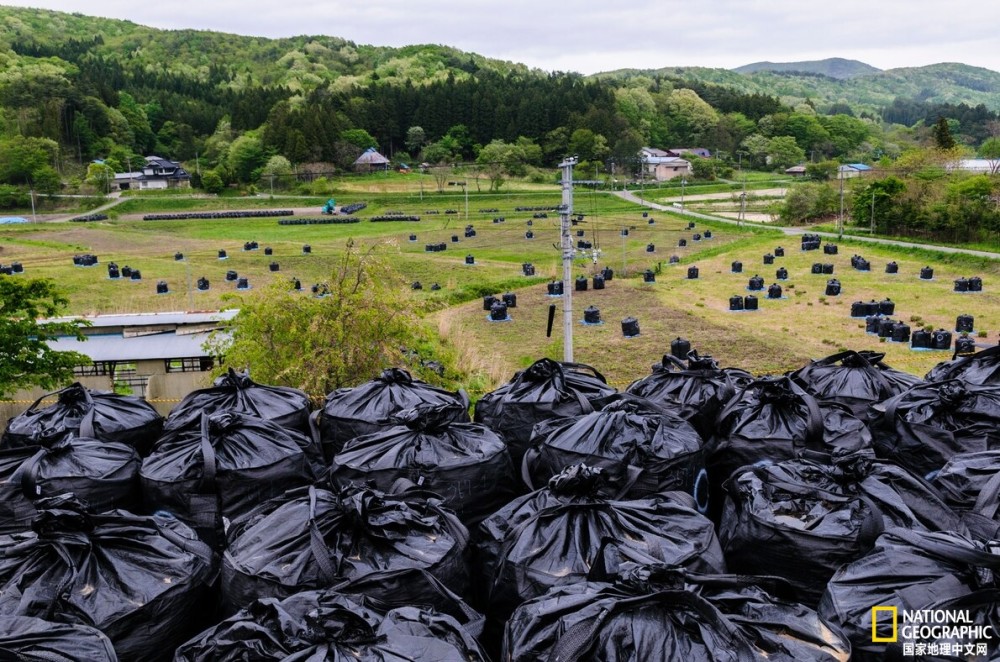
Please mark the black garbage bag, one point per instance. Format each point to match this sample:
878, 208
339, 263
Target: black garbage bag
980, 368
235, 391
696, 390
774, 419
801, 520
223, 468
854, 379
104, 474
311, 538
642, 448
366, 409
970, 485
551, 536
547, 389
466, 463
143, 581
657, 612
27, 639
924, 427
912, 571
99, 414
419, 620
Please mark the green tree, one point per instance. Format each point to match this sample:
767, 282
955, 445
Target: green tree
277, 172
143, 137
783, 152
702, 168
100, 176
440, 152
415, 139
942, 134
21, 157
879, 202
322, 344
990, 150
498, 159
246, 156
807, 202
211, 182
359, 138
690, 117
822, 171
588, 145
46, 180
755, 147
26, 359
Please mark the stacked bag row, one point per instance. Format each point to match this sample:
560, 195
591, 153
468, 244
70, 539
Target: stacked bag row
565, 513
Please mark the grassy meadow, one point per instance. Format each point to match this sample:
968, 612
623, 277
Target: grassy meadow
782, 335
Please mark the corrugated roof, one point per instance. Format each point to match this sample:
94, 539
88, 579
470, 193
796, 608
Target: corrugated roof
152, 319
113, 347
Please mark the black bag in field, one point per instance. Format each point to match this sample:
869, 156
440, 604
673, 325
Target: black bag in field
696, 391
224, 467
27, 639
466, 463
642, 448
143, 581
656, 612
547, 389
310, 538
802, 520
925, 426
366, 409
78, 410
551, 537
103, 474
914, 570
392, 615
236, 392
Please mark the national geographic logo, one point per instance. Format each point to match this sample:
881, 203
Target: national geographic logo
888, 612
931, 631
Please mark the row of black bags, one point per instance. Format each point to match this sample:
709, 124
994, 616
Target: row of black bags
805, 423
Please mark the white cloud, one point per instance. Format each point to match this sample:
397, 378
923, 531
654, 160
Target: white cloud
590, 36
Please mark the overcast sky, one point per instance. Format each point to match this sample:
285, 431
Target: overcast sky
589, 36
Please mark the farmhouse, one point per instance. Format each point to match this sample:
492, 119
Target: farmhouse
660, 165
159, 356
849, 170
371, 161
157, 174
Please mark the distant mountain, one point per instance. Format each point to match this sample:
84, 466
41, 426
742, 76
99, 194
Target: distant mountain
944, 83
834, 67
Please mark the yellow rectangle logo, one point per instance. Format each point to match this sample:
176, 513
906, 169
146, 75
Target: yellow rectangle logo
895, 631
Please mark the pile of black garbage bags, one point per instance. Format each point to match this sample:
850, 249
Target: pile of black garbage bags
703, 513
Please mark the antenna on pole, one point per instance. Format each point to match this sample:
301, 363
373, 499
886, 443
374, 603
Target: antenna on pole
565, 211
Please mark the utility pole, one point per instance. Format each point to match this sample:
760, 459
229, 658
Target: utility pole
872, 232
623, 230
565, 212
840, 220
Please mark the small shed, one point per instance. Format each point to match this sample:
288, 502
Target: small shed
371, 161
796, 171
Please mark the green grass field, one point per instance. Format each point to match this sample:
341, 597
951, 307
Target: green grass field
783, 335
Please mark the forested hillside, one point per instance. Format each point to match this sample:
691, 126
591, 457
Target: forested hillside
834, 67
82, 98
